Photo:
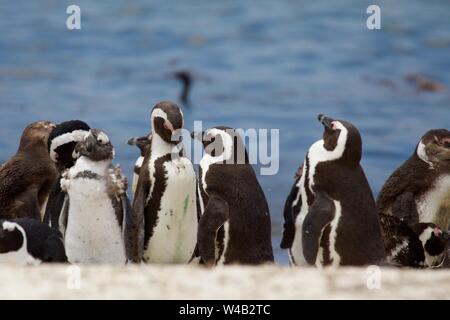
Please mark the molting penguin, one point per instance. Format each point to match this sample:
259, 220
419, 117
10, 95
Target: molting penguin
418, 245
419, 190
330, 214
96, 215
27, 241
165, 196
143, 143
234, 226
26, 179
61, 145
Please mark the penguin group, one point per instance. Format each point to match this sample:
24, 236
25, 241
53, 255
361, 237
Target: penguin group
63, 200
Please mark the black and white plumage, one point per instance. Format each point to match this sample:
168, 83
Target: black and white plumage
27, 241
234, 226
330, 213
165, 197
96, 218
418, 245
419, 190
61, 145
143, 143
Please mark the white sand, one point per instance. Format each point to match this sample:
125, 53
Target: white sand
191, 282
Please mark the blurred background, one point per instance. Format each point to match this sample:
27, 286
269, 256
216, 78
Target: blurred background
254, 64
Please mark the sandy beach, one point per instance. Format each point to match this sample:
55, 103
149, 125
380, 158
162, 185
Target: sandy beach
234, 282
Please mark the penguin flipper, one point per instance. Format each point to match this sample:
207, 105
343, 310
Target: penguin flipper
289, 220
133, 231
319, 215
215, 215
404, 207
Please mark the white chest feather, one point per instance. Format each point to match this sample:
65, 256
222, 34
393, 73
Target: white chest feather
93, 234
175, 233
434, 206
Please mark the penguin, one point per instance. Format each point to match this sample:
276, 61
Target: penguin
61, 145
96, 219
26, 178
330, 213
27, 241
235, 225
165, 197
417, 246
142, 143
419, 190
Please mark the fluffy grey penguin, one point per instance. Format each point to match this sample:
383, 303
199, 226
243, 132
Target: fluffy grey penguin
143, 143
234, 226
419, 190
61, 145
28, 241
96, 218
165, 197
26, 178
330, 214
418, 245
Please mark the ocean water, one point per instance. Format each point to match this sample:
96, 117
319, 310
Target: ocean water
256, 64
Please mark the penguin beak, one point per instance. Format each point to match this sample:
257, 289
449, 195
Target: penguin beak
168, 125
325, 121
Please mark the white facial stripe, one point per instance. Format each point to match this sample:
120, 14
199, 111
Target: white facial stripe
426, 235
10, 226
103, 138
422, 154
208, 160
76, 135
317, 153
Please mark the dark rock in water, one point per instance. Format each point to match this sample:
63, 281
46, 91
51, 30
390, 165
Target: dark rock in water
424, 84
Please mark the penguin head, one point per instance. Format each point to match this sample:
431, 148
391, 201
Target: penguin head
36, 133
11, 237
341, 135
223, 144
62, 141
434, 242
95, 146
141, 142
166, 119
434, 147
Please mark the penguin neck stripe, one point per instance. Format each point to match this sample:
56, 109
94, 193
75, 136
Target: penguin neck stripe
208, 160
422, 154
74, 136
161, 147
20, 255
317, 153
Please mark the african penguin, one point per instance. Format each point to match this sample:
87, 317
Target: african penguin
419, 190
330, 214
61, 145
234, 226
142, 143
96, 218
418, 245
27, 241
26, 178
166, 192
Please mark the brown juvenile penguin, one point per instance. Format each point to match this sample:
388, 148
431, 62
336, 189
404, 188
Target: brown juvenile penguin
419, 190
26, 178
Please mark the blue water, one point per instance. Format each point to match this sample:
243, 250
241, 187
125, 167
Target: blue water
257, 64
